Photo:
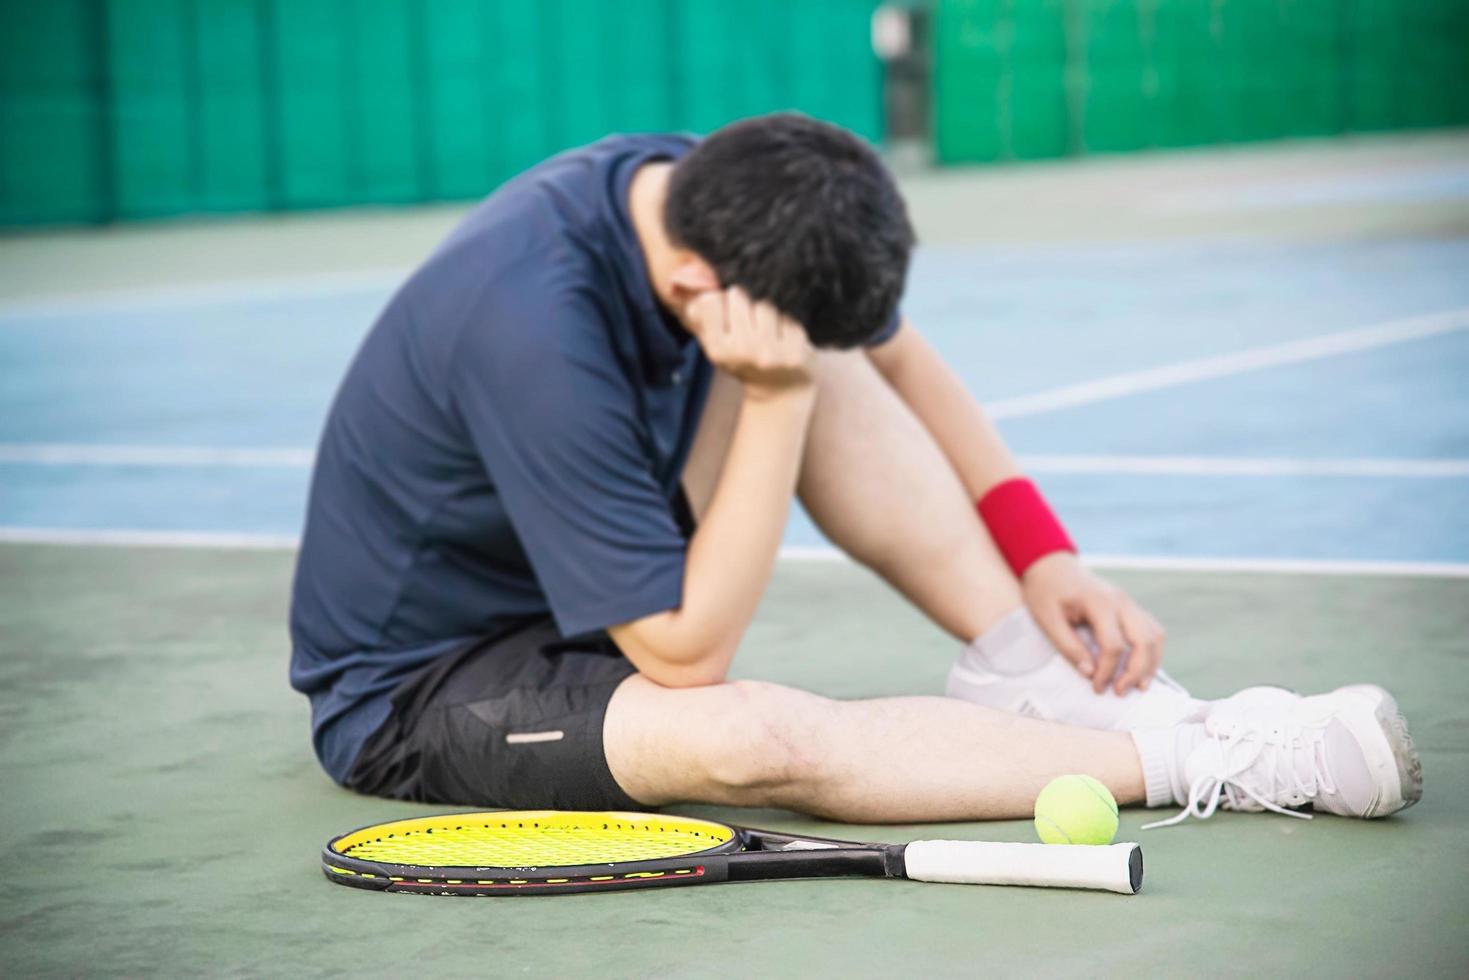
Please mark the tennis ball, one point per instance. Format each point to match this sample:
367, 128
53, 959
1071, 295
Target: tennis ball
1075, 810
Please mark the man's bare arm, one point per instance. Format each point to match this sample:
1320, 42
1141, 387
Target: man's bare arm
733, 552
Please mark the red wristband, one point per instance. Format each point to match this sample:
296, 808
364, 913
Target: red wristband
1022, 524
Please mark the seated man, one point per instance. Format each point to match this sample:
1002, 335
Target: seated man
553, 484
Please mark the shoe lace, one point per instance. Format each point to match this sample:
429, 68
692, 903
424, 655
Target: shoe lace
1255, 765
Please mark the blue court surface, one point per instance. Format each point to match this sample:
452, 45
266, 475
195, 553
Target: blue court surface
1276, 402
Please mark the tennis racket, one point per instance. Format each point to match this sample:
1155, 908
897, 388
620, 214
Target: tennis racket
545, 852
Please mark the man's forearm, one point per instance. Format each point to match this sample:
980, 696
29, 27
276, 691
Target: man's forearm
947, 410
733, 551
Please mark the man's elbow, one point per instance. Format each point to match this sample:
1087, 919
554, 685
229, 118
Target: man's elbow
697, 674
686, 665
678, 664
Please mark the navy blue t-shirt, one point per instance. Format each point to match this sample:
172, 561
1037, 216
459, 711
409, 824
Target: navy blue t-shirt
508, 443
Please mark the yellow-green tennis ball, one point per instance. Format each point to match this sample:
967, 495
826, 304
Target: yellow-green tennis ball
1075, 810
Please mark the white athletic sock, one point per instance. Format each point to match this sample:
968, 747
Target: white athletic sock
1015, 645
1163, 752
1014, 667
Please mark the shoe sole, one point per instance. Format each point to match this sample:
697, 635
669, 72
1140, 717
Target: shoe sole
1399, 742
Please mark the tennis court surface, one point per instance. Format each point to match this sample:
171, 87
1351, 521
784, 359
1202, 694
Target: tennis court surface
1242, 377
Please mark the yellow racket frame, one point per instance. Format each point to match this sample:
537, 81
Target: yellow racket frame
522, 850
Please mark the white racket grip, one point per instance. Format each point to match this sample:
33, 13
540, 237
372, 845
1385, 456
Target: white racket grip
1110, 867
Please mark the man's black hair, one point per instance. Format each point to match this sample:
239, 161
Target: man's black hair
799, 213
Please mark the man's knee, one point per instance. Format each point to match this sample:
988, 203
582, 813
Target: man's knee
770, 737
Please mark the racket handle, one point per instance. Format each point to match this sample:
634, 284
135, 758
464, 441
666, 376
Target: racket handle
1110, 867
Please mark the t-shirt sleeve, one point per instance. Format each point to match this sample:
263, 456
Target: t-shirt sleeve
888, 331
553, 415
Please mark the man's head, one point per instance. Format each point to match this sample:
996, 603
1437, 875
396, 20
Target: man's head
797, 212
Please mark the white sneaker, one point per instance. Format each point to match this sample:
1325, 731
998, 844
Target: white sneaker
1263, 699
1058, 693
1347, 753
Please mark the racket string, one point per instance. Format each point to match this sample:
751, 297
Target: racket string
513, 844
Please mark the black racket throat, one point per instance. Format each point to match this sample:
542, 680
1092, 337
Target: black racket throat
770, 855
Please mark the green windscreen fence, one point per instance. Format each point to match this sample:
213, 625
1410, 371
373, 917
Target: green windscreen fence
55, 142
1019, 79
119, 109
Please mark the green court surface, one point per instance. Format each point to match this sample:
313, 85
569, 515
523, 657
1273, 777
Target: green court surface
161, 812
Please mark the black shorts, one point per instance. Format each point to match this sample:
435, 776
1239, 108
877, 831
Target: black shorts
513, 720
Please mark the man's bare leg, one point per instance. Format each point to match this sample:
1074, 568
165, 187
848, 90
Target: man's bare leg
878, 486
748, 743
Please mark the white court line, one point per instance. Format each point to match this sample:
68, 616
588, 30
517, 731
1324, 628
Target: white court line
148, 539
1245, 466
217, 293
799, 555
82, 454
1281, 566
1165, 563
1224, 365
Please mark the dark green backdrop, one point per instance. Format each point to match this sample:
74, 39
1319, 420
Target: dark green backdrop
133, 108
115, 109
1021, 79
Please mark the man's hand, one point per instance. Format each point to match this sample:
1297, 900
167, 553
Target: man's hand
767, 350
1063, 595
